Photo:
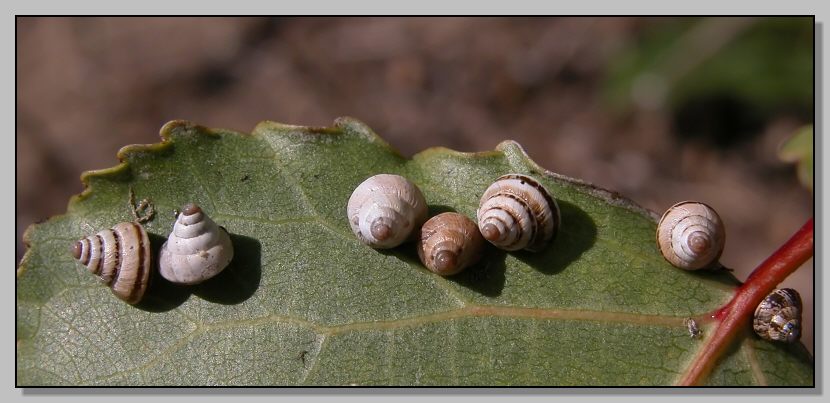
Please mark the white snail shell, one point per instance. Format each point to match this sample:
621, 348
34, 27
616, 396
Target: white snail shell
517, 212
778, 316
120, 257
385, 209
693, 329
196, 250
691, 235
449, 243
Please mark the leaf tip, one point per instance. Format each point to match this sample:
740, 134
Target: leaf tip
352, 125
175, 126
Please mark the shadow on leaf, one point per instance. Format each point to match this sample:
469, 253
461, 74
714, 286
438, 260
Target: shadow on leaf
798, 351
161, 295
435, 209
235, 284
240, 280
577, 234
485, 277
722, 276
405, 252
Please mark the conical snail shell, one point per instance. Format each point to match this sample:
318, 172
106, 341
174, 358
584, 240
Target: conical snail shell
778, 316
517, 212
120, 257
449, 243
385, 209
691, 235
196, 250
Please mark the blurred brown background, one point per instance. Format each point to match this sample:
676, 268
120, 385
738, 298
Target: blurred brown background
658, 109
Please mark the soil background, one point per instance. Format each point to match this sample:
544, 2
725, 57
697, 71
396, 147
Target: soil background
582, 95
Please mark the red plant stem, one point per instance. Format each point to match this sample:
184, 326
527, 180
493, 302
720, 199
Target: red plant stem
735, 315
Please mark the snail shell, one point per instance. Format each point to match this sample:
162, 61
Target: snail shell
385, 209
691, 326
196, 250
449, 243
517, 212
691, 235
778, 316
120, 257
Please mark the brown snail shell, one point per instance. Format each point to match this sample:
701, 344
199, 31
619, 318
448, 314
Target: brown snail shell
120, 257
778, 316
449, 243
384, 210
196, 250
691, 235
517, 212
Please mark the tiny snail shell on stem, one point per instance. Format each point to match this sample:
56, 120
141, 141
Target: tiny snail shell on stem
196, 250
449, 243
517, 212
120, 257
778, 316
691, 235
384, 210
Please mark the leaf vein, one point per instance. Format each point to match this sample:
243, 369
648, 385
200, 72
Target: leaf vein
309, 204
754, 365
167, 352
197, 178
321, 345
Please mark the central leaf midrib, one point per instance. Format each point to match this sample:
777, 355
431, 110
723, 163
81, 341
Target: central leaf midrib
469, 311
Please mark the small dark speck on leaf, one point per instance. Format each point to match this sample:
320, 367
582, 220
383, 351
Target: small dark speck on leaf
245, 178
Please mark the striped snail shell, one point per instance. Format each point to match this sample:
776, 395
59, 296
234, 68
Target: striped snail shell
385, 209
120, 257
778, 316
517, 212
196, 250
449, 243
691, 235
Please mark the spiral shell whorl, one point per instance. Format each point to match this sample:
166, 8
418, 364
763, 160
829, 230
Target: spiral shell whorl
119, 257
196, 250
778, 316
691, 235
449, 243
384, 210
517, 212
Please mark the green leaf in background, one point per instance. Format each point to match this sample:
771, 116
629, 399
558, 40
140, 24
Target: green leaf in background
799, 149
305, 303
766, 62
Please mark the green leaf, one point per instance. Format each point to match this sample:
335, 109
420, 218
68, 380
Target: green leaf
765, 62
799, 149
305, 303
